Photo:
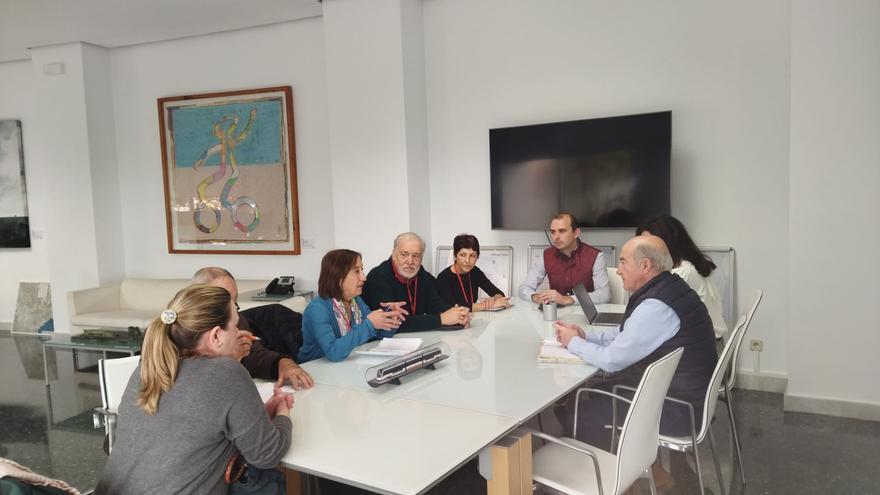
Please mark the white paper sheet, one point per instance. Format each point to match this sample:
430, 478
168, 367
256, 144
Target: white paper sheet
392, 347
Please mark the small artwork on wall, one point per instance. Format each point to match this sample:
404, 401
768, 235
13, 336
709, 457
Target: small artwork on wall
15, 230
229, 166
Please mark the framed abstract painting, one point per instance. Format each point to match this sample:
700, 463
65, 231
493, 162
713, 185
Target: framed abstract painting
15, 229
229, 167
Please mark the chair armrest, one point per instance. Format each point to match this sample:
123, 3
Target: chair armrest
94, 300
604, 392
586, 452
688, 405
615, 397
100, 415
624, 387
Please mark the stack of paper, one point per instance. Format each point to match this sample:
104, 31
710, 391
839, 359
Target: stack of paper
393, 347
553, 352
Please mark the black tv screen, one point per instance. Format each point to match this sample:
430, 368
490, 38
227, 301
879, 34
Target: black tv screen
610, 172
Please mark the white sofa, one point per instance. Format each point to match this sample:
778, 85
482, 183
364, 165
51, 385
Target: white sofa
137, 301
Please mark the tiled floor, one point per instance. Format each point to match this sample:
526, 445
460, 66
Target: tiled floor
785, 453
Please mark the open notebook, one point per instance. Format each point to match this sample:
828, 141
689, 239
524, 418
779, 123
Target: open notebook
552, 352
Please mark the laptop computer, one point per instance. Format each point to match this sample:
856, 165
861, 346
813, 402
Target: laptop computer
589, 309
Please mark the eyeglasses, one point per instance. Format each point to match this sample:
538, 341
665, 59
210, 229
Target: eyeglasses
237, 307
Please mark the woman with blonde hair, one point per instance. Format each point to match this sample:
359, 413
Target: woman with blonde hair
190, 407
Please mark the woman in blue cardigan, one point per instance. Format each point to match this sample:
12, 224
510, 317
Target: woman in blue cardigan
339, 320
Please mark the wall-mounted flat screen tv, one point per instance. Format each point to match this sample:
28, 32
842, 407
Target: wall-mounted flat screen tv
610, 172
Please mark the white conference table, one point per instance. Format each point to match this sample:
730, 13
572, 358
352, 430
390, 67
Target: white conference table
403, 439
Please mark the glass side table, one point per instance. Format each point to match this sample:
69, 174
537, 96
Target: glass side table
63, 341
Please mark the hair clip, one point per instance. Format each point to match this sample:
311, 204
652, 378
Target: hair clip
169, 316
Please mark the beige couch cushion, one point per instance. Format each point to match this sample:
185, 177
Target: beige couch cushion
149, 293
116, 319
138, 301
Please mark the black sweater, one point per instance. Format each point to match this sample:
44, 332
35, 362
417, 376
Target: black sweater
383, 286
280, 329
452, 292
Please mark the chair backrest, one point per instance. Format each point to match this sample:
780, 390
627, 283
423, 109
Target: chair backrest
737, 340
641, 429
723, 277
718, 376
619, 295
113, 375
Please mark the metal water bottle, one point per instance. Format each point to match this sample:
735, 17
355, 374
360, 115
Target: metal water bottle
550, 311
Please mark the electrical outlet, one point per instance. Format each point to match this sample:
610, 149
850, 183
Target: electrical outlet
756, 345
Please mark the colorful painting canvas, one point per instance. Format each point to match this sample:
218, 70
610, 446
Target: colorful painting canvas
15, 230
230, 172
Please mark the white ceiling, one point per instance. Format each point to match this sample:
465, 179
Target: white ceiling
113, 23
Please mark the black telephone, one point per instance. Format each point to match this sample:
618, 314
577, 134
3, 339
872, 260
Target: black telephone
281, 285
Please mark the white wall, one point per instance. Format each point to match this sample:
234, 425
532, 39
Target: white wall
835, 179
775, 118
17, 93
721, 68
283, 54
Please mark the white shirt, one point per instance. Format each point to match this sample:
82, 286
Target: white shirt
601, 291
707, 292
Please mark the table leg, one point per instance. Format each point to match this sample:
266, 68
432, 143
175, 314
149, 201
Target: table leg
50, 416
75, 360
45, 366
294, 480
511, 465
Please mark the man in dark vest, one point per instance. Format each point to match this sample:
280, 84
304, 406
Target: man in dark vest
567, 263
663, 314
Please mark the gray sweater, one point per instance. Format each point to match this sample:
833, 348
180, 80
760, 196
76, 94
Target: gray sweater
212, 410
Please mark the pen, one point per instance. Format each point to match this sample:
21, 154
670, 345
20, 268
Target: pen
252, 337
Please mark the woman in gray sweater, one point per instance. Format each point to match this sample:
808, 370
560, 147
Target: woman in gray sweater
189, 407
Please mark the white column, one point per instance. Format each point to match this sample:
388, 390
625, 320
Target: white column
101, 130
375, 86
73, 141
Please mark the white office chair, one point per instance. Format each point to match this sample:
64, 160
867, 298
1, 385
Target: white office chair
113, 375
726, 391
691, 443
562, 464
619, 295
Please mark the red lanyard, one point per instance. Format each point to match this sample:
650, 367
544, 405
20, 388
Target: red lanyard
470, 299
413, 297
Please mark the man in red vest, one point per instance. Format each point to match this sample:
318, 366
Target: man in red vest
567, 263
